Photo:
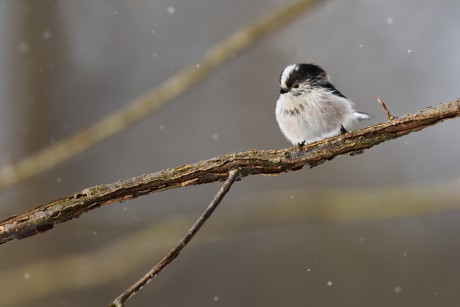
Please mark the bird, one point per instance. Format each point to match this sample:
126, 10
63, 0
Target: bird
310, 108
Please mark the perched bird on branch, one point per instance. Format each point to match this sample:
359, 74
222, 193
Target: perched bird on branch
310, 108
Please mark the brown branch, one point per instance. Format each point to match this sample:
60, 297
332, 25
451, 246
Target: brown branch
119, 301
252, 162
141, 107
384, 107
256, 212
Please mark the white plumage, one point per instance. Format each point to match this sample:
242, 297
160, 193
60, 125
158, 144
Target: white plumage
309, 108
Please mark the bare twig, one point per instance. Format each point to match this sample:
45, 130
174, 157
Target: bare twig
255, 212
252, 162
141, 107
384, 107
119, 301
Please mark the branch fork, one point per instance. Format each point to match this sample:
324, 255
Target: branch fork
132, 290
384, 107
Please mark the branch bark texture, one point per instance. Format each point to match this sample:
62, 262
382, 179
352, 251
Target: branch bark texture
251, 162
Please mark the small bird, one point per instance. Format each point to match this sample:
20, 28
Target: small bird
310, 108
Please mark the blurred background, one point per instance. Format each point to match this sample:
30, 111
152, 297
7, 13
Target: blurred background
378, 229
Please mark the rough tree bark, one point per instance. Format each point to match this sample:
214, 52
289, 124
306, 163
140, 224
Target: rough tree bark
251, 162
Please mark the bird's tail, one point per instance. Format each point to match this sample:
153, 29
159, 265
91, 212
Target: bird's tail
361, 115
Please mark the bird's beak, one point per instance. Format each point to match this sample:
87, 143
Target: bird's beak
283, 90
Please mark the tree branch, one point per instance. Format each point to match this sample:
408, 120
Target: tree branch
119, 301
385, 109
256, 212
252, 162
141, 107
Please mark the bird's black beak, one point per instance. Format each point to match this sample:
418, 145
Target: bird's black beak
283, 90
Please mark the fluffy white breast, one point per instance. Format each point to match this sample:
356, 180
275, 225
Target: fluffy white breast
312, 116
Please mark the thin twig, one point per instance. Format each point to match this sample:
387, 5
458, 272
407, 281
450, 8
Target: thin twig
251, 162
384, 107
260, 212
120, 300
143, 106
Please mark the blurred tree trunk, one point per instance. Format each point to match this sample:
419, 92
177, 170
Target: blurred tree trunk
39, 50
35, 50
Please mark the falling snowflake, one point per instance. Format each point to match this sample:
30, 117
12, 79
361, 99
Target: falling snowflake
23, 47
46, 35
171, 10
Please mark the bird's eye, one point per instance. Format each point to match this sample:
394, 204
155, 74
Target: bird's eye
296, 85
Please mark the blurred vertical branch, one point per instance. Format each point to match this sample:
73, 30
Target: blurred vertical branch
141, 107
33, 22
32, 80
32, 73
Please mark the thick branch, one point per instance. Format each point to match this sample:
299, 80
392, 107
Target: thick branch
248, 163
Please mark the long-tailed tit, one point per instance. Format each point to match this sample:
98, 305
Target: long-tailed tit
310, 108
